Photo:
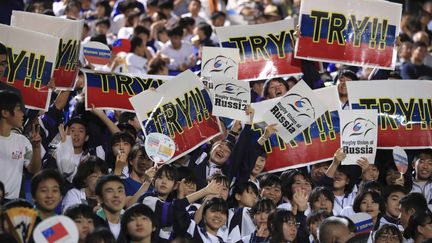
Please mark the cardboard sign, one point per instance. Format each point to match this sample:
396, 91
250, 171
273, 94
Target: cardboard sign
352, 32
359, 129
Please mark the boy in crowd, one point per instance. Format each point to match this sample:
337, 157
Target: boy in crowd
180, 53
112, 197
16, 151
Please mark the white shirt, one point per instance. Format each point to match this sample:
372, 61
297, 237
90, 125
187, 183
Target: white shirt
15, 152
72, 197
115, 229
177, 57
136, 64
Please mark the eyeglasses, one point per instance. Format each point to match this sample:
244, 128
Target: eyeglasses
388, 237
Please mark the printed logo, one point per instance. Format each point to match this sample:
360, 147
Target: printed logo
358, 127
302, 106
231, 89
220, 64
17, 155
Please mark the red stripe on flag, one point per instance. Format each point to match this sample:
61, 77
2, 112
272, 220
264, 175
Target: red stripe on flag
346, 53
301, 154
65, 78
31, 96
262, 69
416, 137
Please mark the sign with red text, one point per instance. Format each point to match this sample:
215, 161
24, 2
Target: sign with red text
266, 50
180, 109
352, 32
69, 32
31, 61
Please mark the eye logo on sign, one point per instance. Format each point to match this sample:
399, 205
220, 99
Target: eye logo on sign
302, 106
230, 88
219, 64
358, 127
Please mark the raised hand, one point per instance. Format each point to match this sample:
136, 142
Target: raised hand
63, 132
363, 163
339, 156
35, 138
300, 199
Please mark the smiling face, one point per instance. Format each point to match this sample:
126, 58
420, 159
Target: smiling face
247, 198
300, 183
340, 180
370, 174
220, 153
273, 193
341, 86
140, 228
423, 167
113, 196
259, 166
214, 219
47, 195
276, 89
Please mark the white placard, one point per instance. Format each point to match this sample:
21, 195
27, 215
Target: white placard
358, 132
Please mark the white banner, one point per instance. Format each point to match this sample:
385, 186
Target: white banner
69, 32
358, 132
297, 110
31, 59
230, 97
180, 109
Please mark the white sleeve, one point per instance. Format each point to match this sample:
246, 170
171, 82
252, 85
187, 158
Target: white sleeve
64, 157
28, 151
72, 197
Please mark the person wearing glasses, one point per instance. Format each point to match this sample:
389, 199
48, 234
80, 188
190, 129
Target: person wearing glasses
284, 227
388, 234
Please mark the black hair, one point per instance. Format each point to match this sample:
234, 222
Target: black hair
187, 174
317, 192
217, 14
219, 178
8, 101
346, 170
414, 200
216, 204
275, 223
88, 167
287, 179
17, 203
186, 21
134, 153
206, 28
135, 43
137, 31
44, 175
80, 210
175, 31
270, 180
316, 217
371, 186
79, 119
239, 188
419, 218
269, 81
262, 205
100, 235
126, 127
105, 4
169, 170
386, 229
99, 38
122, 136
126, 116
3, 50
166, 4
104, 20
136, 210
105, 179
388, 190
226, 142
394, 75
346, 73
376, 197
419, 44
